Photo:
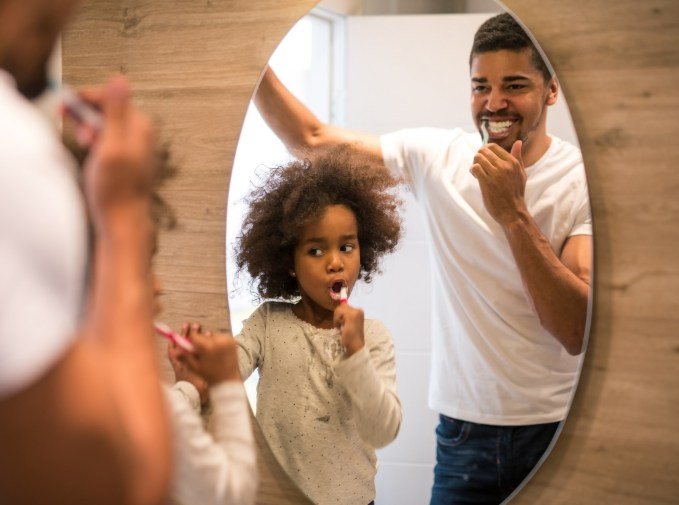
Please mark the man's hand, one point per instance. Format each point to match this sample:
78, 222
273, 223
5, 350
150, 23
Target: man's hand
502, 179
215, 357
121, 167
350, 322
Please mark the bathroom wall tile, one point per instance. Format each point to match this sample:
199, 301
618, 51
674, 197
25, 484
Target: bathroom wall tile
399, 484
416, 442
400, 297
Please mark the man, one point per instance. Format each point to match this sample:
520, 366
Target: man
510, 231
82, 418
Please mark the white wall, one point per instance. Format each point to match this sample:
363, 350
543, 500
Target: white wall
405, 71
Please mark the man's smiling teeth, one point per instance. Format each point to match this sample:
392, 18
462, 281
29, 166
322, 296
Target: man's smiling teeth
498, 126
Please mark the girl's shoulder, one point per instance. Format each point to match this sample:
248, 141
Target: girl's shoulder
376, 330
271, 309
275, 306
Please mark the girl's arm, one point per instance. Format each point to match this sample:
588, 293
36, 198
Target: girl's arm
250, 342
369, 377
221, 468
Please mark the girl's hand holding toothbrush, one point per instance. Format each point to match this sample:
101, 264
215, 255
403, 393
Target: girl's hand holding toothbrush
350, 322
215, 355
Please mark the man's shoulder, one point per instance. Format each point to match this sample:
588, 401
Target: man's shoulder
441, 137
21, 119
28, 138
428, 147
563, 152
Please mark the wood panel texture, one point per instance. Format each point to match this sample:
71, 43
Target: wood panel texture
194, 65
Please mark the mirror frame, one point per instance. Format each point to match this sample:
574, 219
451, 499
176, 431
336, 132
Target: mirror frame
615, 64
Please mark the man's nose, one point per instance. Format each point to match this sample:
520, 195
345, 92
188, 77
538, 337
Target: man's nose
497, 100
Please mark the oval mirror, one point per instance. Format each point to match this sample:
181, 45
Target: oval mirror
378, 70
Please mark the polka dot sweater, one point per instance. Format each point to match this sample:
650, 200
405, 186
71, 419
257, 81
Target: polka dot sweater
322, 414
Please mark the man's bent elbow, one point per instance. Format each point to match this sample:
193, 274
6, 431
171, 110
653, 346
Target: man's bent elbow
575, 344
575, 349
572, 340
314, 139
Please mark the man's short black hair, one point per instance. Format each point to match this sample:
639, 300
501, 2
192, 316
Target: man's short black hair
503, 32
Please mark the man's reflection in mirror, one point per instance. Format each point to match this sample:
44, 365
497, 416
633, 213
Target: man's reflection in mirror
509, 227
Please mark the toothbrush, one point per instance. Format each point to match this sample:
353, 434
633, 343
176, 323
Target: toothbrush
78, 108
344, 296
484, 131
166, 331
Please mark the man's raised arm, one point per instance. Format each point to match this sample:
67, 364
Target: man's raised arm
298, 128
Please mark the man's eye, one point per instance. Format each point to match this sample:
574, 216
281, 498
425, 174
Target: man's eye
315, 251
516, 87
478, 89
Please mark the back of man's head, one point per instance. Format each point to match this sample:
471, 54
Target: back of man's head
503, 32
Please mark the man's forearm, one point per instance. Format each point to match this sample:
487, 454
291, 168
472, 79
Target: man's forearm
299, 129
122, 324
289, 118
558, 295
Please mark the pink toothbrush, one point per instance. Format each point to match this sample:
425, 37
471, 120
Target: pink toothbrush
166, 331
344, 296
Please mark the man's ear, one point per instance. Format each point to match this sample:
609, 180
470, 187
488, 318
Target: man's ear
552, 91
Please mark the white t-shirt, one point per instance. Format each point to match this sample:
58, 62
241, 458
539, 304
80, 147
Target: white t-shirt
42, 243
491, 362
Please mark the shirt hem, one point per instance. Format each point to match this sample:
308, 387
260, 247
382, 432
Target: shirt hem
521, 420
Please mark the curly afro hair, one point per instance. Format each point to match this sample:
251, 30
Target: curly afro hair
299, 191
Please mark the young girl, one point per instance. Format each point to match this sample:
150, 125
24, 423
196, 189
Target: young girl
216, 466
327, 391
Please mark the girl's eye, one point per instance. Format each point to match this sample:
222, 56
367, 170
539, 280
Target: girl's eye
315, 251
347, 248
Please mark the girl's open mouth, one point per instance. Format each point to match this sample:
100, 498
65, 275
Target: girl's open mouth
335, 290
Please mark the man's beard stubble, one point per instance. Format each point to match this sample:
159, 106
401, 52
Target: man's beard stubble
34, 87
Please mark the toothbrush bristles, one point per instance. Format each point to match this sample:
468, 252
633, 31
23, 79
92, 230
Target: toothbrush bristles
484, 131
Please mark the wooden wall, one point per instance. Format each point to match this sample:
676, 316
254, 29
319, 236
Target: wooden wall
194, 64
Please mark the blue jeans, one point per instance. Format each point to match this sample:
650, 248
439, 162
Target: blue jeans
483, 464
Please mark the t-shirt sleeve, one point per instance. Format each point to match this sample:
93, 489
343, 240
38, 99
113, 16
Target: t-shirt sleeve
42, 264
410, 154
582, 224
250, 342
